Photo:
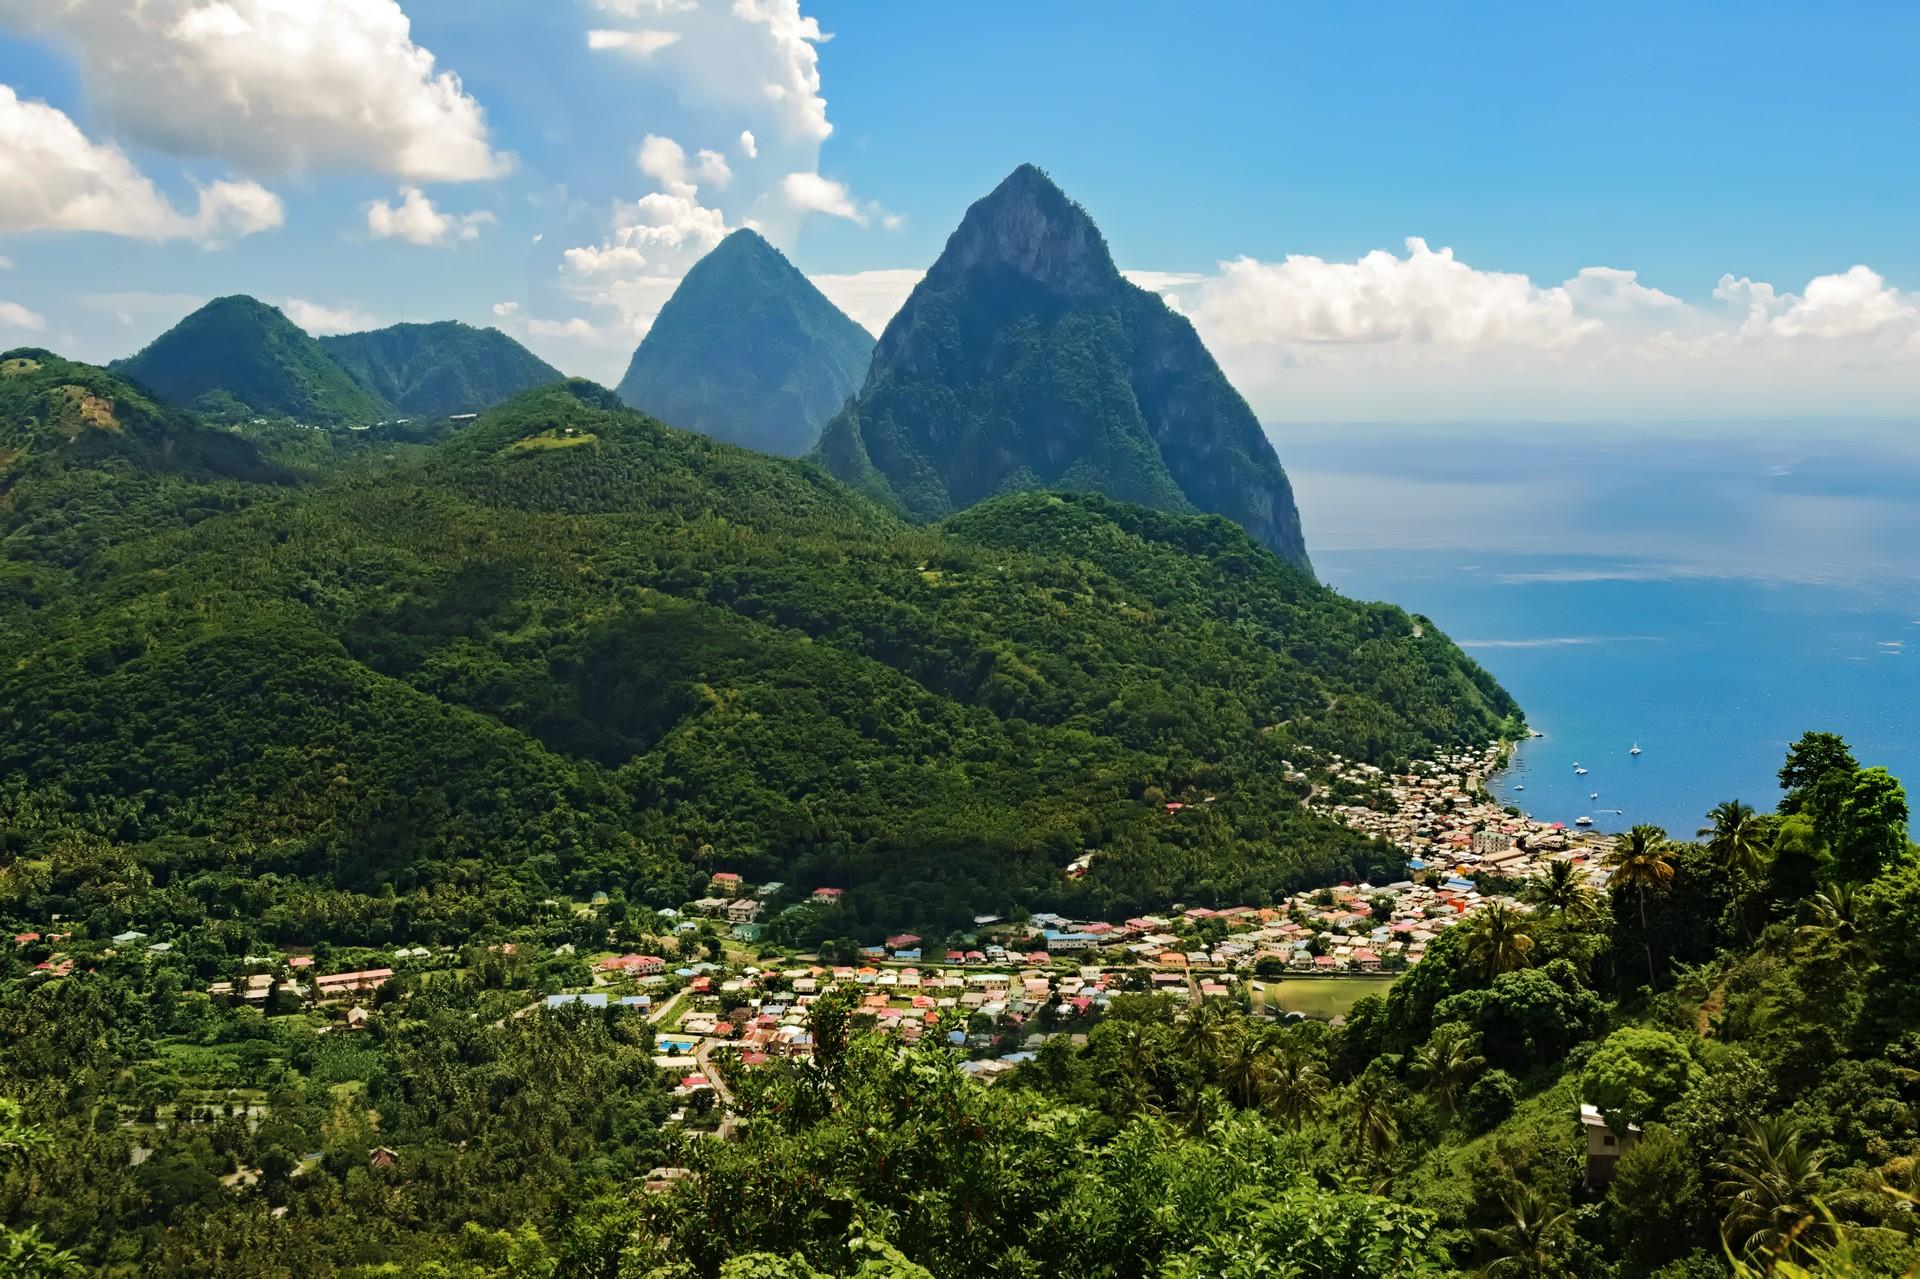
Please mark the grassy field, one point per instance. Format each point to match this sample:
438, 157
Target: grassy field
1320, 996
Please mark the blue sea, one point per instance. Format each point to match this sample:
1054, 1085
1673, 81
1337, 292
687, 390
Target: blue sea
1708, 592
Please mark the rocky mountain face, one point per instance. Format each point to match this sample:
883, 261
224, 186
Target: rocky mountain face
1025, 360
748, 351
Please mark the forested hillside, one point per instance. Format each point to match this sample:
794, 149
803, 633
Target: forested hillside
572, 648
748, 351
237, 358
440, 369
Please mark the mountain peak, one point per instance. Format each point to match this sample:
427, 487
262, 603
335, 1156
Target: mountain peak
748, 351
1029, 226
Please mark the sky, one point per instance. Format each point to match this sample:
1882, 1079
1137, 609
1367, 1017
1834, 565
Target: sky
1393, 212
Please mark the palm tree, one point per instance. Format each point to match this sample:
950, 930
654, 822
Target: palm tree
1767, 1181
1296, 1084
1736, 837
1499, 942
1371, 1108
1244, 1070
1530, 1245
1447, 1060
18, 1138
1640, 860
1132, 1074
1206, 1032
1565, 891
1835, 920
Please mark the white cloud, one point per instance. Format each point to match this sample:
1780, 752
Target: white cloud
322, 320
15, 316
749, 147
576, 328
665, 161
639, 8
6, 263
640, 44
605, 259
506, 310
871, 298
1857, 303
811, 193
416, 221
273, 85
1427, 336
1427, 298
54, 178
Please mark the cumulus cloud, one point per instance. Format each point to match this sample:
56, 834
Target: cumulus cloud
748, 146
54, 178
506, 310
665, 161
870, 298
416, 221
575, 328
272, 86
15, 316
1426, 335
322, 320
811, 193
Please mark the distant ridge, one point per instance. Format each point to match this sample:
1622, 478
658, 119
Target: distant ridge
237, 357
1024, 360
748, 351
439, 369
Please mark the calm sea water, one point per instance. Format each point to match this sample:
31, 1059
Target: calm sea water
1707, 592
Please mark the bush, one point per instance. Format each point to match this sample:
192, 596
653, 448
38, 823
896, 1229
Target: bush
1490, 1100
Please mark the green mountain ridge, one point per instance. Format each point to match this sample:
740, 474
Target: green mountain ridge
440, 369
571, 646
1024, 360
748, 351
237, 357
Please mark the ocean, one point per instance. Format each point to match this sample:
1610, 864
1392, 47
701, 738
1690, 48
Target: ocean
1707, 592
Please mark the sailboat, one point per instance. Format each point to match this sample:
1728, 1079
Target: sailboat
1635, 750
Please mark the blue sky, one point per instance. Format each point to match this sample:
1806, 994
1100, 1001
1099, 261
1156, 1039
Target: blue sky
1653, 211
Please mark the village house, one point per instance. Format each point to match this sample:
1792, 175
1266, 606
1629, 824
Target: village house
338, 985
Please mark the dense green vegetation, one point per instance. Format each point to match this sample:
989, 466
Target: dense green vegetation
1769, 1066
748, 351
620, 663
237, 358
1025, 361
434, 370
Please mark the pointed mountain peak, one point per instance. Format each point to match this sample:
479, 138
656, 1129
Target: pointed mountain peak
1030, 226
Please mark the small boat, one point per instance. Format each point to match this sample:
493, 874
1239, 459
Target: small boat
1583, 820
1593, 794
1519, 785
1579, 772
1635, 750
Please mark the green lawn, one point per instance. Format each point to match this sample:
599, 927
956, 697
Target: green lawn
1320, 996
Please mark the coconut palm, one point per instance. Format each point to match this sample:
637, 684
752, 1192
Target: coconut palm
1736, 838
1447, 1061
1373, 1110
1498, 942
1641, 860
1132, 1076
1563, 891
1768, 1179
1206, 1032
1296, 1086
18, 1138
1528, 1246
1835, 921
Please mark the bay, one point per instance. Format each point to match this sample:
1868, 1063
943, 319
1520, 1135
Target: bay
1707, 592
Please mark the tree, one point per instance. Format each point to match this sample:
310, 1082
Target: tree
1497, 941
1296, 1083
1532, 1242
1490, 1100
1808, 761
1768, 1178
1737, 838
1447, 1061
1207, 1031
1371, 1106
19, 1139
1863, 821
1640, 861
1635, 1074
1563, 891
1835, 923
1656, 1198
25, 1255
